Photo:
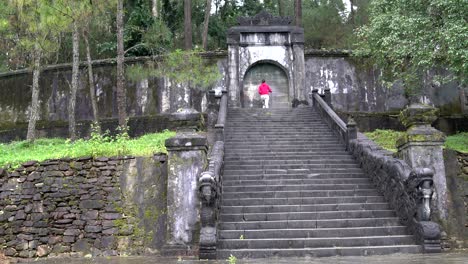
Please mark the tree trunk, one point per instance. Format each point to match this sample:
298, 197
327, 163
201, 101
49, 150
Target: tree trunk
206, 23
298, 12
281, 8
121, 96
155, 8
33, 115
92, 91
188, 24
74, 83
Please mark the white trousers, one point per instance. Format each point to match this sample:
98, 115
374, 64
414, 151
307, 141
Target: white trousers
266, 100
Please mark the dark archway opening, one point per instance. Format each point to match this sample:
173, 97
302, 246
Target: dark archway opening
275, 77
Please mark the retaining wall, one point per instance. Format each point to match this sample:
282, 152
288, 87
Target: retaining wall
101, 207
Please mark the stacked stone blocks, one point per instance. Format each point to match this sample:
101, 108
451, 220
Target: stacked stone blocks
63, 206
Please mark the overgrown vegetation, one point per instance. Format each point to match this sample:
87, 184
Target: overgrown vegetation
458, 142
387, 140
16, 153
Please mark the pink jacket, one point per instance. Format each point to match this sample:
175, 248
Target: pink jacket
264, 89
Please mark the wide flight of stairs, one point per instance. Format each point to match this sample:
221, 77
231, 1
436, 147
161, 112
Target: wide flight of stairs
291, 190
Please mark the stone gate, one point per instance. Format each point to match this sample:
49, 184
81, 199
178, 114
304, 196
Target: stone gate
268, 41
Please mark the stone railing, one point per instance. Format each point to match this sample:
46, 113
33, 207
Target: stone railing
408, 190
210, 188
345, 132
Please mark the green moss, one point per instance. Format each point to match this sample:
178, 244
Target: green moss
18, 152
387, 139
420, 114
458, 142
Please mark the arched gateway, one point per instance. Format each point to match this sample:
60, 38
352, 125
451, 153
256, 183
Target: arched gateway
268, 46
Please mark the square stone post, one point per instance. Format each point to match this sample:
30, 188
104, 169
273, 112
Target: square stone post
186, 161
421, 147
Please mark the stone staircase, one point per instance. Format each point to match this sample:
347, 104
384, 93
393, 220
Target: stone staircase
291, 190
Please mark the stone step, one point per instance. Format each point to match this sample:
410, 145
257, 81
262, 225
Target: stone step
347, 160
293, 176
313, 232
315, 242
303, 193
294, 187
302, 200
246, 217
326, 223
303, 208
320, 165
286, 156
227, 183
276, 130
267, 141
309, 171
319, 252
291, 189
286, 147
260, 138
310, 150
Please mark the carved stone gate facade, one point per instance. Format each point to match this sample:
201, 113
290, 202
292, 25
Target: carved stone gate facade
266, 39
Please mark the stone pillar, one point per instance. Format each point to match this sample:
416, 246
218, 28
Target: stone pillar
327, 97
186, 161
233, 71
421, 147
297, 41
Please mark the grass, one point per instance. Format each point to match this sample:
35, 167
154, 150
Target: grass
16, 153
387, 139
458, 142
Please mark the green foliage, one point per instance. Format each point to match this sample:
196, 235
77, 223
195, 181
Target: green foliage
158, 37
458, 142
324, 27
179, 66
387, 139
232, 259
407, 38
15, 153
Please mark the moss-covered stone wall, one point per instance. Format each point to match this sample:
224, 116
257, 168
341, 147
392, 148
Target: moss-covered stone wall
354, 83
79, 207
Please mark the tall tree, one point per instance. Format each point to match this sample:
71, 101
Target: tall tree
188, 24
121, 96
92, 87
281, 8
408, 38
34, 27
74, 84
205, 24
298, 13
155, 8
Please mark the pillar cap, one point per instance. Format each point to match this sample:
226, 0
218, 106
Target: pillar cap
418, 114
187, 141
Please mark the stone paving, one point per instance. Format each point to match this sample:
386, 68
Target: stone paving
443, 258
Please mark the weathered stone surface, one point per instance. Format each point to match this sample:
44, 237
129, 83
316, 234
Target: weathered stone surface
68, 213
182, 194
68, 239
11, 252
93, 229
111, 216
43, 251
72, 232
92, 204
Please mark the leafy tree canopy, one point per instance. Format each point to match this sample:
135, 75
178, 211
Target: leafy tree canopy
407, 38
